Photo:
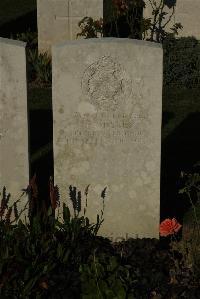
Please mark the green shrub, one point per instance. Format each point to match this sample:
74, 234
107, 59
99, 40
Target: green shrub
39, 68
29, 37
135, 270
100, 278
181, 62
38, 64
124, 18
49, 258
191, 190
41, 259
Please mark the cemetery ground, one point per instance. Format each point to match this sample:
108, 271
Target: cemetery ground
52, 259
49, 258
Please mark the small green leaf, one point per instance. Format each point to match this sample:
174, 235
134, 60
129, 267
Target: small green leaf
66, 256
26, 274
87, 222
49, 213
29, 286
66, 213
59, 251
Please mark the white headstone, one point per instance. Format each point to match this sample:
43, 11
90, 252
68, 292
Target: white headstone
107, 106
58, 19
14, 167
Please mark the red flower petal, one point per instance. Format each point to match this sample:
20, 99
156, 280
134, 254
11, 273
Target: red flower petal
176, 225
169, 227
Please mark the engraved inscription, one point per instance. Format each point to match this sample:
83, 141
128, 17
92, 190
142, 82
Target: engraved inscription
104, 128
112, 137
107, 120
106, 84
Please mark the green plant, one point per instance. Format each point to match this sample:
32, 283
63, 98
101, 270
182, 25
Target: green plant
29, 37
181, 62
6, 211
184, 274
41, 259
192, 190
90, 28
39, 64
49, 258
192, 242
39, 67
128, 14
100, 279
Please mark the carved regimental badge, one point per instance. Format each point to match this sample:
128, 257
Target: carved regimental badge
106, 84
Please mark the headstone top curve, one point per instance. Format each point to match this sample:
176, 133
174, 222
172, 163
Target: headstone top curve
12, 42
106, 40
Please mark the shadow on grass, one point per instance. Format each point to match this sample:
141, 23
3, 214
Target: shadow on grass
180, 151
167, 117
19, 25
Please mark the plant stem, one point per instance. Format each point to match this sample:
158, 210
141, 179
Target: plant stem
96, 275
195, 214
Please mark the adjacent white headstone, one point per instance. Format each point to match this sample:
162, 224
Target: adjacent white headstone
14, 169
58, 19
107, 98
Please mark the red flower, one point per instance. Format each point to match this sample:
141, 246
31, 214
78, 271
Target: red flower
169, 227
120, 5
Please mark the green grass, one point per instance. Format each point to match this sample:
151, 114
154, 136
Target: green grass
179, 103
12, 9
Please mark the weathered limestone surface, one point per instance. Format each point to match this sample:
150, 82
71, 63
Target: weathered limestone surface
14, 169
186, 13
107, 97
58, 19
